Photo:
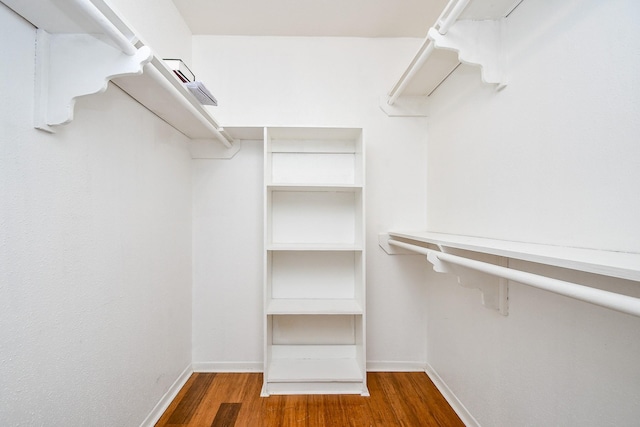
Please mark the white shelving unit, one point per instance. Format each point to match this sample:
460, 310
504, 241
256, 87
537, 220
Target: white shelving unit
314, 285
92, 40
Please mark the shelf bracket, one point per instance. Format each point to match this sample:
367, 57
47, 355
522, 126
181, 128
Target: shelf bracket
72, 65
494, 290
477, 43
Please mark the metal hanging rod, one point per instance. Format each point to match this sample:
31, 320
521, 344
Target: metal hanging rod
612, 300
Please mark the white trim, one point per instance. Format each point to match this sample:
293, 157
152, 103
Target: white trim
453, 400
228, 366
165, 401
394, 366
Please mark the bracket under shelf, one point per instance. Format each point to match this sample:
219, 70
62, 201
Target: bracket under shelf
469, 32
494, 290
72, 65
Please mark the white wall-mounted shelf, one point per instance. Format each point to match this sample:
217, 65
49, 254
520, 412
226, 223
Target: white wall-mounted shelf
446, 260
622, 265
467, 31
84, 44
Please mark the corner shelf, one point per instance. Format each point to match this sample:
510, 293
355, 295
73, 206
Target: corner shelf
94, 42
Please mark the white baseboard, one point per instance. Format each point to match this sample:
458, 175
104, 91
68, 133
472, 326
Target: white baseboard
453, 400
394, 366
168, 397
228, 367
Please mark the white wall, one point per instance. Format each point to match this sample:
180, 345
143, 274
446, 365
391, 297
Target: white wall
271, 81
553, 158
159, 24
95, 254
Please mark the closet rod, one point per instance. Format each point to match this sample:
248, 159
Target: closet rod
107, 27
612, 300
444, 23
451, 12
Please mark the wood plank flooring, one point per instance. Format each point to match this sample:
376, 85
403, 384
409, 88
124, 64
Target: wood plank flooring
233, 400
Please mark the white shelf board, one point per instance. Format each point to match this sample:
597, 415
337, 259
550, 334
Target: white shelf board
162, 100
313, 247
313, 306
623, 265
315, 370
349, 188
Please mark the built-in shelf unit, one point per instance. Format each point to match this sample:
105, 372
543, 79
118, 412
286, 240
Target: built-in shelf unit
84, 44
314, 285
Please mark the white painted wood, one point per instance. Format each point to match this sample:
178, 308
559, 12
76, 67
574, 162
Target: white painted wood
315, 370
313, 217
314, 247
477, 43
314, 261
313, 274
161, 92
313, 306
316, 387
613, 300
69, 66
329, 168
313, 329
624, 265
471, 30
89, 44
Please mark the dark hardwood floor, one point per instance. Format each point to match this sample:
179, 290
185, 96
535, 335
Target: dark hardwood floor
233, 400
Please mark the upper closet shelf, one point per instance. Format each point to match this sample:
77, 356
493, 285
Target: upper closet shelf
468, 31
622, 265
82, 45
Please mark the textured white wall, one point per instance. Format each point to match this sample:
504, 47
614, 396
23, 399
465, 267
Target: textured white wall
95, 254
554, 158
304, 82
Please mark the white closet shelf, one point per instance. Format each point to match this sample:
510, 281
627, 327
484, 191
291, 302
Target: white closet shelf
624, 265
467, 31
314, 247
315, 370
314, 363
84, 44
351, 188
313, 306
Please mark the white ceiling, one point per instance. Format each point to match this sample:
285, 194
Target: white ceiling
346, 18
